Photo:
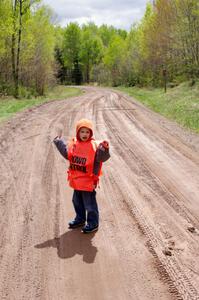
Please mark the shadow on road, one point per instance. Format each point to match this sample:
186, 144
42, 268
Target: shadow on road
71, 243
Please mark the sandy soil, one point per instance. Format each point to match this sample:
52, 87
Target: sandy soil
147, 246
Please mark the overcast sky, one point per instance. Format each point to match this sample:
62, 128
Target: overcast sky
119, 13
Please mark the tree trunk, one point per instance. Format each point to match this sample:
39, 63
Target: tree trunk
16, 52
18, 49
88, 72
14, 44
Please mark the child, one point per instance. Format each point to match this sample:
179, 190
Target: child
85, 156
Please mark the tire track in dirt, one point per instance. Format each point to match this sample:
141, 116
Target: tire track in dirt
192, 168
169, 269
121, 144
165, 188
119, 262
167, 137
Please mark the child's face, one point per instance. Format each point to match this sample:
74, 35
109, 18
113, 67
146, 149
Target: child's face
84, 134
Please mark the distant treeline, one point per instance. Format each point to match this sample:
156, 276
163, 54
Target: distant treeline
35, 53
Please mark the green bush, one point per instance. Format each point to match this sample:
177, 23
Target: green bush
6, 88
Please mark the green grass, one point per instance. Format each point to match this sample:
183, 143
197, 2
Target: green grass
9, 106
180, 103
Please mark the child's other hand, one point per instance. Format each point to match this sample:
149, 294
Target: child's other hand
59, 133
59, 130
56, 138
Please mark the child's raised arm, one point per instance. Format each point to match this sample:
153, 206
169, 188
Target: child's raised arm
102, 152
61, 146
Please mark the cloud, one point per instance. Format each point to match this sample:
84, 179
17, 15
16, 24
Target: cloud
121, 14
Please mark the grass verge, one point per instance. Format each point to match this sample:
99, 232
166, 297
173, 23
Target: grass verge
180, 103
9, 106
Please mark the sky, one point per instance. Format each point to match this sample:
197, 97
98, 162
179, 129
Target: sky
119, 13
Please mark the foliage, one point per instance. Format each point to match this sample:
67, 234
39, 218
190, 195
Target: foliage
71, 53
91, 50
5, 26
113, 58
71, 44
35, 53
40, 33
26, 47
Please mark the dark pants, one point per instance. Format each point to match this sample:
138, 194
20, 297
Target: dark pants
86, 208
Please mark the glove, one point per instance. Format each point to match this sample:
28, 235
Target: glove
104, 145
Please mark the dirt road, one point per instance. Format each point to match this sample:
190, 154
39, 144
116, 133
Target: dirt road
147, 246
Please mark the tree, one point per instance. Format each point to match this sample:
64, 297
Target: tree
38, 46
187, 35
91, 50
5, 33
20, 8
5, 25
71, 50
61, 68
113, 58
106, 33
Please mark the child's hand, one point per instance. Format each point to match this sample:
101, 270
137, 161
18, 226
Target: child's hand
105, 144
102, 152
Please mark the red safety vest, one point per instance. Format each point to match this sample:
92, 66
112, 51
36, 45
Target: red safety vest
81, 156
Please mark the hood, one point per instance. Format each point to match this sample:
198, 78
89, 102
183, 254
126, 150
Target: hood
84, 123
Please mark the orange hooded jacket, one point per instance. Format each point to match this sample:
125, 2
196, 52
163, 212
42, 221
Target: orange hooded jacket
81, 156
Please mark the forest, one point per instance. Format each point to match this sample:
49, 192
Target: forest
36, 53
